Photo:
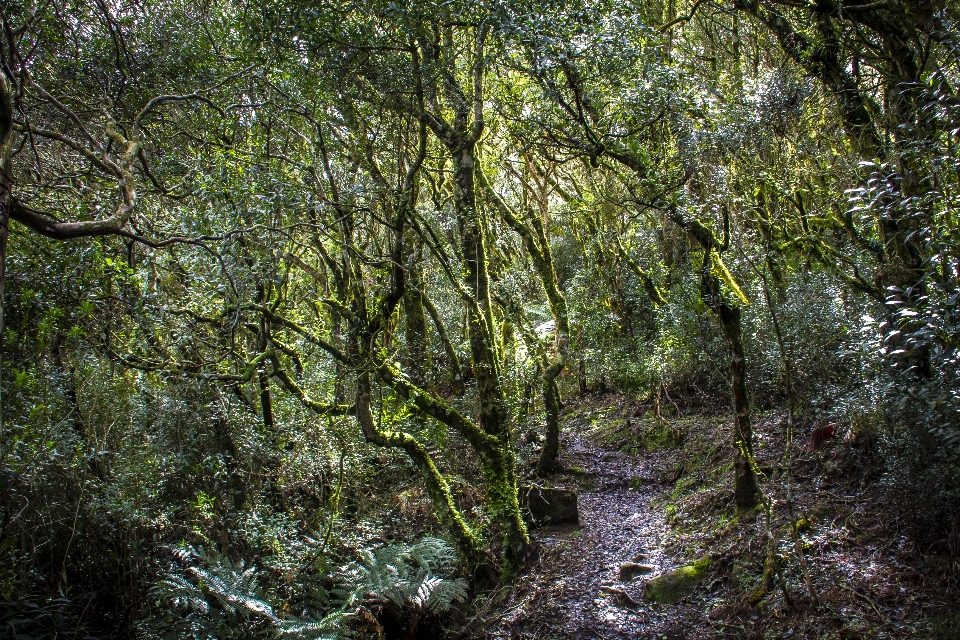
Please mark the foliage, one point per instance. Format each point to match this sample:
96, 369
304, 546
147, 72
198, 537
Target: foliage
270, 266
405, 576
205, 595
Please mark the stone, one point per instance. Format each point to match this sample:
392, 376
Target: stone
623, 598
630, 570
673, 586
545, 506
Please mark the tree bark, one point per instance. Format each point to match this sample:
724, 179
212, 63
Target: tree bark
6, 202
418, 355
499, 469
746, 488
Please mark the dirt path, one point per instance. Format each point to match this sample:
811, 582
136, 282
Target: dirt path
871, 579
574, 590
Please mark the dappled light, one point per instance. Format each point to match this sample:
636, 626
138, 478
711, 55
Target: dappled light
479, 319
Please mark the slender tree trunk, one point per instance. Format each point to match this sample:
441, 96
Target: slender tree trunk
551, 447
266, 400
69, 381
788, 450
6, 202
4, 228
418, 355
453, 362
746, 488
499, 469
531, 228
437, 487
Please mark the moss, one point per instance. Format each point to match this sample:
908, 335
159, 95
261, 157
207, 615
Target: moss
664, 437
671, 587
682, 487
720, 270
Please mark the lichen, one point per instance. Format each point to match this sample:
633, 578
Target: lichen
671, 587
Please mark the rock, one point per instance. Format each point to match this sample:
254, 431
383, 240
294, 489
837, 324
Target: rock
549, 506
630, 570
671, 587
623, 598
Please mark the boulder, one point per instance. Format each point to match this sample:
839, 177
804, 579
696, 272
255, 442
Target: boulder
630, 570
671, 587
545, 506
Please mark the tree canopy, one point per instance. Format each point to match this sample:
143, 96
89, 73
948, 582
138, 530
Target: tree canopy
255, 253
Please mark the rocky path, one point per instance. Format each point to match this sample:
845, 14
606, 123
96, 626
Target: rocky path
575, 590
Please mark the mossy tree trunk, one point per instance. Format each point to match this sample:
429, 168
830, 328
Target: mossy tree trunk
6, 201
530, 227
498, 465
746, 485
746, 488
460, 136
418, 356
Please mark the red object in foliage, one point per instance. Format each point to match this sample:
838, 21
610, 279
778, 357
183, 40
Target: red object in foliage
821, 435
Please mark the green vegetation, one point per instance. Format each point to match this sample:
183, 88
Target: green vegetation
308, 286
674, 585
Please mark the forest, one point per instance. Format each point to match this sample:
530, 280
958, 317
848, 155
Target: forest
461, 319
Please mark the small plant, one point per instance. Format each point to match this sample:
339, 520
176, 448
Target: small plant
206, 595
406, 576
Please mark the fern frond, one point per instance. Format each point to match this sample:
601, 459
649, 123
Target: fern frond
406, 575
332, 627
234, 590
443, 593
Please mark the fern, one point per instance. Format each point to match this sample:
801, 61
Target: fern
330, 627
224, 599
406, 575
233, 586
210, 596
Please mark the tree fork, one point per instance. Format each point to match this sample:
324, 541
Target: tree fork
466, 540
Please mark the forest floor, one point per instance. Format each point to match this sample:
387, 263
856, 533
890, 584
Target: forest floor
644, 498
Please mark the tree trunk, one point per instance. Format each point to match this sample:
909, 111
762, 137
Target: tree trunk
418, 356
6, 202
551, 447
746, 489
266, 401
453, 362
499, 467
438, 489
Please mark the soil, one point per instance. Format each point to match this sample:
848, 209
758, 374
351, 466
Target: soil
669, 507
574, 590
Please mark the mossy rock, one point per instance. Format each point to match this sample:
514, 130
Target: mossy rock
671, 587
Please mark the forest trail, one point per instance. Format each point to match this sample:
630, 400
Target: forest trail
574, 589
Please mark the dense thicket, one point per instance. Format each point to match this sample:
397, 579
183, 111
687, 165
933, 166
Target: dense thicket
266, 263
